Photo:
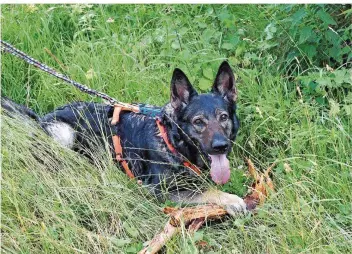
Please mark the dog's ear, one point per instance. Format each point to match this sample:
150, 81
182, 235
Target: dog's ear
181, 90
225, 83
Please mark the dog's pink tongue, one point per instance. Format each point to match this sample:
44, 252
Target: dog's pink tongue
219, 168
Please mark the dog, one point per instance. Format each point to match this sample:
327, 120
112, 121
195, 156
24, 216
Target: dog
200, 127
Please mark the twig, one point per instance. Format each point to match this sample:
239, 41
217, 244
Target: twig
187, 215
160, 239
194, 217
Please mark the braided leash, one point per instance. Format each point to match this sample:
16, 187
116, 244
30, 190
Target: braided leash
139, 108
14, 51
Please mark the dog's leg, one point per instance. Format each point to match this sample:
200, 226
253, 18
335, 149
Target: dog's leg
232, 203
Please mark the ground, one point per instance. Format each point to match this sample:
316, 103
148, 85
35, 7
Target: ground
293, 109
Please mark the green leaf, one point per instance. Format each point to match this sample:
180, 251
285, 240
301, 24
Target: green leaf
324, 82
326, 18
335, 52
262, 228
122, 242
348, 98
348, 109
332, 37
185, 54
208, 73
132, 249
183, 30
349, 77
266, 45
233, 39
340, 76
203, 84
175, 44
309, 50
304, 34
227, 46
224, 15
296, 17
202, 25
233, 60
321, 209
207, 34
131, 231
320, 100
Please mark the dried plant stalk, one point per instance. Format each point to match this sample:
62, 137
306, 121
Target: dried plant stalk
194, 217
186, 215
160, 239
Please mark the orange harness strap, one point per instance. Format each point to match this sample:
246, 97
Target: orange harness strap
116, 139
163, 134
118, 151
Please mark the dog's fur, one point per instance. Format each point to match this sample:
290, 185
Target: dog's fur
197, 125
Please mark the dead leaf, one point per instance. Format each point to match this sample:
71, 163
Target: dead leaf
251, 169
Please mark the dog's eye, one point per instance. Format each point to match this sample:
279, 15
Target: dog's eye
224, 117
197, 122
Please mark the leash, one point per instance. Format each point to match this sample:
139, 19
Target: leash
137, 108
143, 109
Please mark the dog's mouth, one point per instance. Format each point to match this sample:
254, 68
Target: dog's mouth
219, 168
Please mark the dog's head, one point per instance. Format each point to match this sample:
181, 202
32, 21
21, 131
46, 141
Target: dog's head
208, 121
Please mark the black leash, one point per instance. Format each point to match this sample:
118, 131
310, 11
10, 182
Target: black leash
143, 109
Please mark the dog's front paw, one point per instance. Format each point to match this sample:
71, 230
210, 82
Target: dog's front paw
237, 208
233, 204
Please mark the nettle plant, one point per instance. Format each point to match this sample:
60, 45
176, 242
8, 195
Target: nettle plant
317, 35
315, 44
329, 87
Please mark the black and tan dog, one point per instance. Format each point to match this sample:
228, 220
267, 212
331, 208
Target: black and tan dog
200, 127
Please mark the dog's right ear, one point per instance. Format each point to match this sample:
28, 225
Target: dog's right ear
181, 90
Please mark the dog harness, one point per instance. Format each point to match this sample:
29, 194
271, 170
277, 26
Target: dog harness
162, 132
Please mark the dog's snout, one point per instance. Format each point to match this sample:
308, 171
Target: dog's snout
220, 145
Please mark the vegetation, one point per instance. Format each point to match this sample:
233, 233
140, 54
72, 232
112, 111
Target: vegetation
293, 65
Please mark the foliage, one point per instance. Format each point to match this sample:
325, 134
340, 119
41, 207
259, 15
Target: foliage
308, 35
294, 81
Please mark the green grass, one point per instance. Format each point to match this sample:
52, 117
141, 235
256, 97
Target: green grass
62, 203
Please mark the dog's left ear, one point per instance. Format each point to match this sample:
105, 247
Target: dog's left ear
225, 83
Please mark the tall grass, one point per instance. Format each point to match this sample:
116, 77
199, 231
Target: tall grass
53, 200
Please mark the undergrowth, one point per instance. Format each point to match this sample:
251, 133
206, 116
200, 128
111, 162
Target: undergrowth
293, 66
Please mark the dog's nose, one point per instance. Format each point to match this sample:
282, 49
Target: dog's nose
219, 146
